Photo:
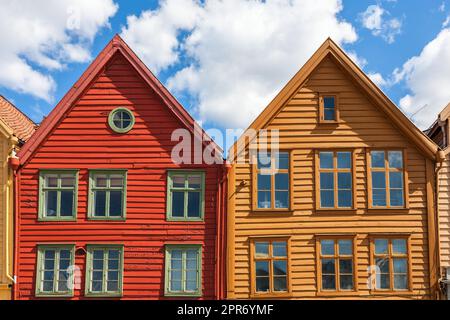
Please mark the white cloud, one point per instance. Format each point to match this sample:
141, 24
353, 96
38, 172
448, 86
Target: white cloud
427, 77
374, 20
239, 53
46, 34
442, 7
378, 79
446, 23
153, 35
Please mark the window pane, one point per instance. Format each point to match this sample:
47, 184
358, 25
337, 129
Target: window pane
377, 159
400, 282
282, 161
328, 266
345, 265
381, 246
395, 159
282, 181
264, 199
51, 181
344, 160
279, 249
383, 281
378, 180
175, 285
281, 199
328, 282
191, 285
346, 282
49, 264
326, 180
47, 286
100, 180
383, 264
194, 182
116, 181
177, 204
178, 181
51, 203
264, 160
327, 247
175, 264
399, 246
344, 180
49, 254
329, 114
194, 204
279, 267
113, 275
261, 249
125, 115
98, 254
344, 199
66, 203
396, 180
113, 286
67, 181
262, 268
326, 160
400, 266
64, 264
280, 284
345, 247
327, 199
262, 284
100, 203
115, 203
113, 264
328, 102
264, 182
396, 198
379, 198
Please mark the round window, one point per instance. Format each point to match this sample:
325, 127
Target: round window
121, 120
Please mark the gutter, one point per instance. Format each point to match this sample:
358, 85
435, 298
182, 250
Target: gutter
440, 158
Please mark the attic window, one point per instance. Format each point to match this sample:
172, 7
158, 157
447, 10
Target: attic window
121, 120
329, 112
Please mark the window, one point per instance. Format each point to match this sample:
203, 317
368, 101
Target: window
104, 274
183, 270
270, 266
185, 196
335, 264
328, 108
334, 179
387, 179
272, 181
53, 270
121, 120
107, 194
390, 258
58, 194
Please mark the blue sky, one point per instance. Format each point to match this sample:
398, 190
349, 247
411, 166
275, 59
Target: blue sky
222, 58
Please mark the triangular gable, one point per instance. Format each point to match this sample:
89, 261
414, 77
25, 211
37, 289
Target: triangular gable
11, 116
115, 45
329, 48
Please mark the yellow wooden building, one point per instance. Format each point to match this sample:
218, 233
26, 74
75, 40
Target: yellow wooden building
439, 132
15, 128
343, 207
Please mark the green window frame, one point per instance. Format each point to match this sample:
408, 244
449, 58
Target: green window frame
53, 260
51, 182
121, 120
104, 271
178, 273
106, 189
185, 190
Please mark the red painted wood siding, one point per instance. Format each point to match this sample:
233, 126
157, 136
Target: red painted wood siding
83, 140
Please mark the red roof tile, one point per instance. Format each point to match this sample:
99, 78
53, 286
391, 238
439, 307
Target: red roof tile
21, 125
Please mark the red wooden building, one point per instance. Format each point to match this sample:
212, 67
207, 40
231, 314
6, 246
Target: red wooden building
102, 210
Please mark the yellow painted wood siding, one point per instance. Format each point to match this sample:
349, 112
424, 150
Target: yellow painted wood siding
444, 211
362, 126
5, 213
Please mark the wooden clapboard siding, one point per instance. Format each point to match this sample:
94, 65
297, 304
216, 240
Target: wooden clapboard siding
444, 211
6, 211
82, 140
363, 125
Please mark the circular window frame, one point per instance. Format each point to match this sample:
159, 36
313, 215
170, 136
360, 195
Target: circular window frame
114, 127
